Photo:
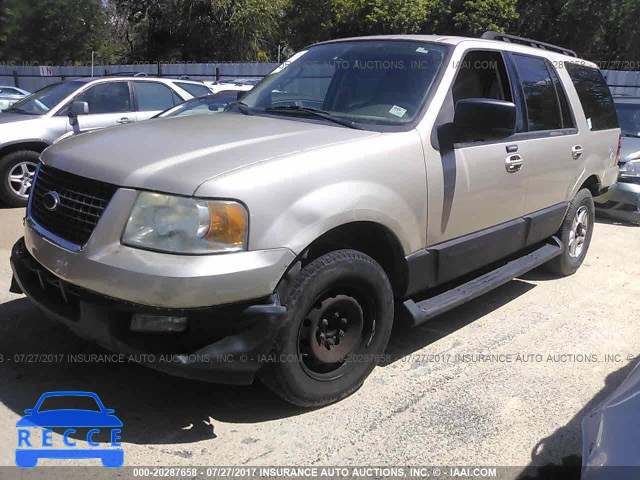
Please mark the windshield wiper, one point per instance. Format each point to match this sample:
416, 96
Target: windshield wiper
243, 107
631, 135
317, 113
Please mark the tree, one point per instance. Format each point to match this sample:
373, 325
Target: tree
53, 30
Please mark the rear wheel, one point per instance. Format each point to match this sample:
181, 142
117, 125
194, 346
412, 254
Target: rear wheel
16, 176
575, 234
339, 318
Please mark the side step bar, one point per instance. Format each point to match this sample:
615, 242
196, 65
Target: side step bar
427, 309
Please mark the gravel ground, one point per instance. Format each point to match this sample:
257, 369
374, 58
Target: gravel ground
503, 380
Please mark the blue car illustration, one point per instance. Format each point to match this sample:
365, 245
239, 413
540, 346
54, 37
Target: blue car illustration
68, 418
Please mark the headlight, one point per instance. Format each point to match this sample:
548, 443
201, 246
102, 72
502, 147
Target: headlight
186, 225
630, 169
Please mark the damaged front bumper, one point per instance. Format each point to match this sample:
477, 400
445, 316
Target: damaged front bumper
222, 344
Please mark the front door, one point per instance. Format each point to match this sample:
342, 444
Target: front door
110, 105
484, 184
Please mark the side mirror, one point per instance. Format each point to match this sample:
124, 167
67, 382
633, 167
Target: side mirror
29, 411
78, 108
485, 119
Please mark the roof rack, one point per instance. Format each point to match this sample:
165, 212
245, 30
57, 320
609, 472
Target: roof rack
503, 37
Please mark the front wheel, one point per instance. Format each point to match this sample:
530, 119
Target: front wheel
16, 176
339, 318
575, 233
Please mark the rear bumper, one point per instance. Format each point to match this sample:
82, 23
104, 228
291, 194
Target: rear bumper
222, 344
622, 202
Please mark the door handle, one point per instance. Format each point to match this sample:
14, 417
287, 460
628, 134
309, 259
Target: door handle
513, 163
577, 151
124, 120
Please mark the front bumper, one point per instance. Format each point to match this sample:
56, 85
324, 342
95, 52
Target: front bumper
156, 279
621, 202
224, 344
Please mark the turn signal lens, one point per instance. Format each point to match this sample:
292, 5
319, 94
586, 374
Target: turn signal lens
228, 223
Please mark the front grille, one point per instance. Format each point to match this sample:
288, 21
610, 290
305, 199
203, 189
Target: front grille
82, 202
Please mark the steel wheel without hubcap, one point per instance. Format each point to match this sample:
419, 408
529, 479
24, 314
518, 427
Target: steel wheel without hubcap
578, 233
21, 177
340, 324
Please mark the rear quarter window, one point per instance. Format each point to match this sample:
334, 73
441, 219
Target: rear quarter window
594, 95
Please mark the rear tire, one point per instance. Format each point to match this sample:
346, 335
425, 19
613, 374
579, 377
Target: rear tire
339, 318
575, 234
16, 176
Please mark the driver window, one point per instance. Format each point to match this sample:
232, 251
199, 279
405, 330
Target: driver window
482, 74
107, 98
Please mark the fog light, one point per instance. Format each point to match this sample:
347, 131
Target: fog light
157, 324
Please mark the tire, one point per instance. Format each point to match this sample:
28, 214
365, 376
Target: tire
23, 164
316, 363
574, 251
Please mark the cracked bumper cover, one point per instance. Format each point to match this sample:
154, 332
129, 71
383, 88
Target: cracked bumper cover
222, 344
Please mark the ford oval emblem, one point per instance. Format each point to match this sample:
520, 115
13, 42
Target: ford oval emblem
51, 201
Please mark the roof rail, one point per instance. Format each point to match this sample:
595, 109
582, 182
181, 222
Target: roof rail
503, 37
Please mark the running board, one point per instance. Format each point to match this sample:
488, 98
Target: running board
427, 309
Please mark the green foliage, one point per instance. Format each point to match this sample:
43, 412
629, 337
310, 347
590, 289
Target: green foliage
51, 30
204, 30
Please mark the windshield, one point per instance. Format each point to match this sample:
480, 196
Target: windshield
200, 106
66, 402
366, 82
629, 118
45, 99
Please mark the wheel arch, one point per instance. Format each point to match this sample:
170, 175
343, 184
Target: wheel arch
593, 184
371, 238
37, 146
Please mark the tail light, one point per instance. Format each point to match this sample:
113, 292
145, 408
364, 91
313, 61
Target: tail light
619, 152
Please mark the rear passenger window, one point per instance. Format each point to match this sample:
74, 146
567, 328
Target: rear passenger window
595, 96
541, 97
155, 96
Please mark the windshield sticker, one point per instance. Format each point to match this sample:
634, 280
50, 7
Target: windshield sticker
422, 50
397, 111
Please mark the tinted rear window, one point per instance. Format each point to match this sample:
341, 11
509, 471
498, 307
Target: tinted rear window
594, 95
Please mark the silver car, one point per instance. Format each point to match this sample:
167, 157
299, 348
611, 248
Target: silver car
10, 95
622, 201
364, 181
30, 125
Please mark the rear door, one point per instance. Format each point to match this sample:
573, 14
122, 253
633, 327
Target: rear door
547, 140
153, 97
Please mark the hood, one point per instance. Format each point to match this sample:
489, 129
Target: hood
177, 155
630, 149
15, 118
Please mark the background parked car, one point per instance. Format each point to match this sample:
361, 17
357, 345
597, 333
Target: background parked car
205, 105
622, 201
239, 84
10, 95
35, 122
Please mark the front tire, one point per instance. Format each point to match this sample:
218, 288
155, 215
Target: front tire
16, 176
575, 234
339, 319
